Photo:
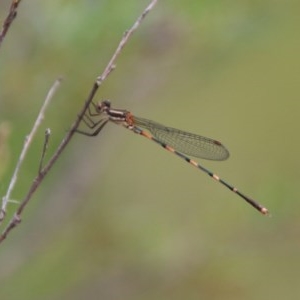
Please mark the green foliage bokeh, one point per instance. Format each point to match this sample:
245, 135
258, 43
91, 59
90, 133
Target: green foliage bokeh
118, 217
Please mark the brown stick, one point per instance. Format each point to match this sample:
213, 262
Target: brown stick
16, 219
9, 19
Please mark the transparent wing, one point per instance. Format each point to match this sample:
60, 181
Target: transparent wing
185, 142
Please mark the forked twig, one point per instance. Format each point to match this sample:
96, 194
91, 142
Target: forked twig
26, 145
15, 220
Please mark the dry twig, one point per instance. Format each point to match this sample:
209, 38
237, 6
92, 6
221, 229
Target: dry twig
15, 220
9, 19
27, 142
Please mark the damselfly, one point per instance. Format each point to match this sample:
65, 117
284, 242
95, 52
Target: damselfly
174, 140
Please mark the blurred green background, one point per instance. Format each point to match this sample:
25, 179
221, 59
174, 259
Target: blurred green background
118, 217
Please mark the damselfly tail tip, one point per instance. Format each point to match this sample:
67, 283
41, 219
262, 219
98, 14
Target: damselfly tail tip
265, 211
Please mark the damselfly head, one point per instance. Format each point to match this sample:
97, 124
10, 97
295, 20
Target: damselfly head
103, 106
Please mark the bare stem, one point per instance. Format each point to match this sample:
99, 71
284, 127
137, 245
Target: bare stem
110, 66
26, 145
16, 219
45, 146
9, 19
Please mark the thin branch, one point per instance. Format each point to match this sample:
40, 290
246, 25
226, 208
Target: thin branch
9, 19
45, 146
16, 219
123, 41
26, 145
